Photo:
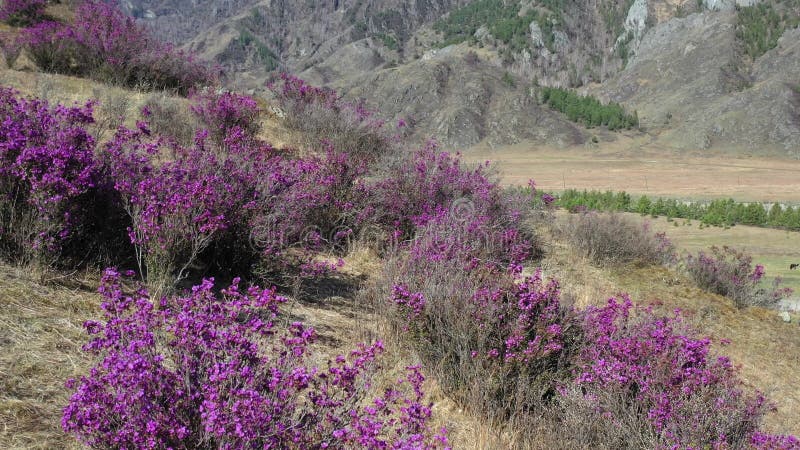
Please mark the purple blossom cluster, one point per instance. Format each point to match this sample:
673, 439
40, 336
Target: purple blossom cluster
220, 113
657, 367
47, 167
22, 12
449, 212
217, 370
105, 44
239, 194
730, 272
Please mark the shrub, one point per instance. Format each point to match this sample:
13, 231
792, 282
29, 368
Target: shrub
616, 239
730, 272
179, 200
494, 340
221, 112
104, 44
233, 202
46, 176
650, 384
210, 370
328, 121
168, 118
22, 12
430, 185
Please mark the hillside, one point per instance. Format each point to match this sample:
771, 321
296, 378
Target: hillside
198, 257
683, 65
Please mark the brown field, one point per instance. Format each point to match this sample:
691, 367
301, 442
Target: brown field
630, 167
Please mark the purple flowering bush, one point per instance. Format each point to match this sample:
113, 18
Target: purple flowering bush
649, 378
220, 113
463, 206
105, 44
182, 201
22, 12
238, 202
730, 272
216, 370
47, 173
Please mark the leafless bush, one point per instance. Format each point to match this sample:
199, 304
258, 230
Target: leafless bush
616, 239
346, 129
111, 112
167, 117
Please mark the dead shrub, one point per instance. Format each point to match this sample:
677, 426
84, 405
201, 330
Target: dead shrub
615, 239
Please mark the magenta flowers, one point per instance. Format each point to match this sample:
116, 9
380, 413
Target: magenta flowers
209, 370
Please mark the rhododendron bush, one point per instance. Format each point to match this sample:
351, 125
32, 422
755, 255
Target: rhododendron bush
207, 370
730, 272
105, 44
655, 366
47, 171
221, 112
324, 118
22, 12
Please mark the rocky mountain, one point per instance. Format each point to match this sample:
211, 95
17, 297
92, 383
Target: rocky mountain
690, 83
700, 73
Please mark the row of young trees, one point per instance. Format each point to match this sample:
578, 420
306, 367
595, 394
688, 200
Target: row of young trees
720, 212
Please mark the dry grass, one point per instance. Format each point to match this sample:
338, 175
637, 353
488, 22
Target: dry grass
40, 339
627, 165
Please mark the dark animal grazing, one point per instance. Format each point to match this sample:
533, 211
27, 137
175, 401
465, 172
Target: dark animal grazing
793, 266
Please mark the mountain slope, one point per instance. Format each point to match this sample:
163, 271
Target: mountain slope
688, 86
681, 64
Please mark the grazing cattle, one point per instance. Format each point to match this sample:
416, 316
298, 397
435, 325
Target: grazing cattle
793, 266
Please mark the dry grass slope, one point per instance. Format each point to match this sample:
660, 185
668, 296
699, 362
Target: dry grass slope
766, 348
41, 336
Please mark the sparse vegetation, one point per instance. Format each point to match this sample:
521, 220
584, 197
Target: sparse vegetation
502, 19
264, 54
588, 110
388, 41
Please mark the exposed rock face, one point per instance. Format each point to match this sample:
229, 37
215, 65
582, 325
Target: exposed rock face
677, 83
727, 5
461, 104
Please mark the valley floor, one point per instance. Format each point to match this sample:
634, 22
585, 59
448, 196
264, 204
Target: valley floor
627, 167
